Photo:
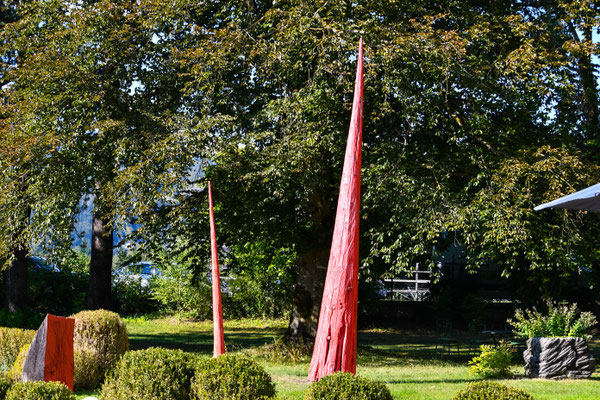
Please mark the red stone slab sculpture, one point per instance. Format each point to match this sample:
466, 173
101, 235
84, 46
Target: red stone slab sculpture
218, 334
50, 356
335, 344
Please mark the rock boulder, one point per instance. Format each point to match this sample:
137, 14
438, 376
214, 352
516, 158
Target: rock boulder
558, 358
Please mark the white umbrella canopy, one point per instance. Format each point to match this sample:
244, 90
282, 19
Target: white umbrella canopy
587, 199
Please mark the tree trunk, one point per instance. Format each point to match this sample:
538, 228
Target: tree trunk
311, 268
16, 278
589, 100
99, 291
16, 282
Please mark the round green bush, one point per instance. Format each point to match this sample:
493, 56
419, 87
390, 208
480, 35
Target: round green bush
345, 386
11, 341
99, 341
486, 390
151, 374
231, 377
39, 390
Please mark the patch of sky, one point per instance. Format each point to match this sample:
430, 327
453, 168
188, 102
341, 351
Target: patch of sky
135, 87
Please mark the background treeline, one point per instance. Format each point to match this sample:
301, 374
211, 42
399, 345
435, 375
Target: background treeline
474, 112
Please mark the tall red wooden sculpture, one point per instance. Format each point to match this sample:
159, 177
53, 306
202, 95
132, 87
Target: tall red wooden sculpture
335, 344
218, 335
50, 355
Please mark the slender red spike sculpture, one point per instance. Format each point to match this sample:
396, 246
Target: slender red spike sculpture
218, 334
335, 344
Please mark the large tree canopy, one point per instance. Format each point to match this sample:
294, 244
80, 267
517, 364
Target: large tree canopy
92, 95
474, 113
466, 109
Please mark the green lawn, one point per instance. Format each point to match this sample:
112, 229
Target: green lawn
406, 362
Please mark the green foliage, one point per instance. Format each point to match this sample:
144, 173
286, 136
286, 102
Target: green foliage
17, 368
150, 374
11, 341
99, 341
58, 292
541, 249
473, 114
131, 298
27, 319
259, 280
559, 321
345, 386
5, 385
38, 390
89, 118
231, 377
491, 391
178, 290
493, 362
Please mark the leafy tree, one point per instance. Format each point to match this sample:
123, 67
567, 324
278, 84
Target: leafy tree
456, 94
473, 114
13, 249
93, 92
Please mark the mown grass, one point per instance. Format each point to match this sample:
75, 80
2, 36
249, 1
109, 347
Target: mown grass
406, 361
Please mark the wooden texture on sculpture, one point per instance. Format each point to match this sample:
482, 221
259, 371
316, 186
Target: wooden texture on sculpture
50, 356
218, 334
335, 344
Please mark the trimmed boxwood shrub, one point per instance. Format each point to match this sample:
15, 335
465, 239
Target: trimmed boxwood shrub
17, 369
345, 386
39, 390
5, 385
151, 374
486, 390
11, 341
99, 341
231, 377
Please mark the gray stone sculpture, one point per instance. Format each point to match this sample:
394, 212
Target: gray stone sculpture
558, 358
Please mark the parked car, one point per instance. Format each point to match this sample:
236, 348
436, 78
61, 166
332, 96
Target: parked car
40, 263
143, 272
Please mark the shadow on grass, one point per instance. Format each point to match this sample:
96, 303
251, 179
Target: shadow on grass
411, 381
377, 348
202, 342
392, 348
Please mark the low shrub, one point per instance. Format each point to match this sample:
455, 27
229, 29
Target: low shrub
345, 386
99, 341
11, 341
231, 377
5, 385
284, 351
17, 369
491, 391
494, 361
151, 374
560, 321
39, 390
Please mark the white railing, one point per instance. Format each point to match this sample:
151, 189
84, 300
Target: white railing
415, 288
